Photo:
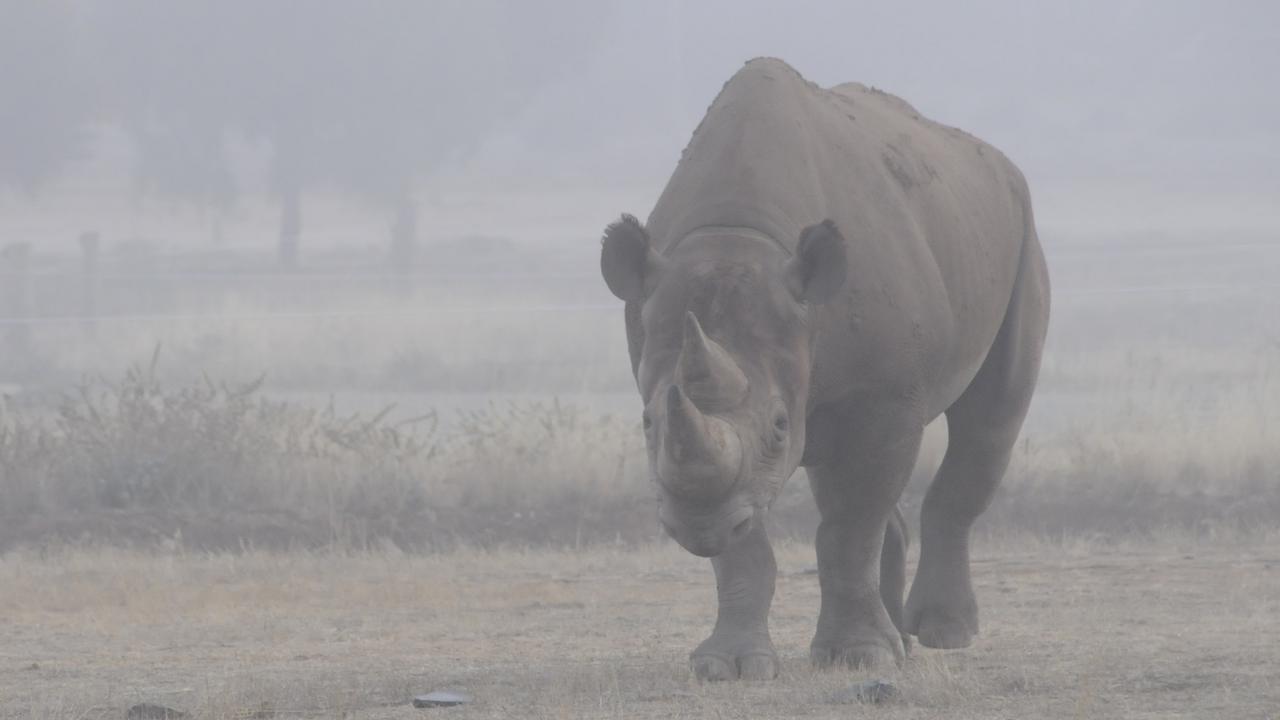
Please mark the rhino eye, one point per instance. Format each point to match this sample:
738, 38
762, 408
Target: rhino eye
781, 423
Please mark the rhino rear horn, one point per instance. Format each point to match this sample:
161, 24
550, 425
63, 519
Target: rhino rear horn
706, 371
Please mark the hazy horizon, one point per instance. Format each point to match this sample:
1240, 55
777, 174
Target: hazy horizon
314, 400
540, 124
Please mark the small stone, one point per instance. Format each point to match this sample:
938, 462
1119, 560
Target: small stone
33, 666
871, 691
444, 698
147, 711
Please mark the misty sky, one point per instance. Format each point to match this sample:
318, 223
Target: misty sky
1163, 100
1071, 90
1132, 111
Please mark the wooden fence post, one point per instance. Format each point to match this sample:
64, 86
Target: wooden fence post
404, 236
15, 300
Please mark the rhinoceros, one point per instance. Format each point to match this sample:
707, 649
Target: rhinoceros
826, 272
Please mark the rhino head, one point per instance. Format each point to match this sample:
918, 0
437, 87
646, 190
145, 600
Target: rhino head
721, 340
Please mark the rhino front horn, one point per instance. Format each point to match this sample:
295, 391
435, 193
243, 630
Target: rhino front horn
702, 454
707, 372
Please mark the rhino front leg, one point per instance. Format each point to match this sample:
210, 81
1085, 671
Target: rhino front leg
856, 495
739, 646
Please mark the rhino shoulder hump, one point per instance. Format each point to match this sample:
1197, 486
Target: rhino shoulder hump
854, 90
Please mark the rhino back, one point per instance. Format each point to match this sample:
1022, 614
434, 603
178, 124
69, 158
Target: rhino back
934, 220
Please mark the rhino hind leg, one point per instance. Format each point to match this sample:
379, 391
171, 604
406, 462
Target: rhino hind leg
982, 426
893, 572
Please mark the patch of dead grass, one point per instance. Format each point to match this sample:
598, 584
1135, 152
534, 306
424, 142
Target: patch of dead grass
1175, 627
213, 466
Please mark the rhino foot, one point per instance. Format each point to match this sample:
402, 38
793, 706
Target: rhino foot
714, 661
942, 615
943, 628
855, 655
857, 642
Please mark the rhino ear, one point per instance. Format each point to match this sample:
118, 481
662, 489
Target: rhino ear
817, 270
626, 260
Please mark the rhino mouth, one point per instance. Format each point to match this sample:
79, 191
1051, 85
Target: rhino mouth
709, 537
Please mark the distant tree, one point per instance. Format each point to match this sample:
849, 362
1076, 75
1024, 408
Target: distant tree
364, 96
165, 84
408, 86
46, 99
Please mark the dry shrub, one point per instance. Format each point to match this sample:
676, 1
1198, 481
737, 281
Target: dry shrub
1117, 483
215, 465
1174, 448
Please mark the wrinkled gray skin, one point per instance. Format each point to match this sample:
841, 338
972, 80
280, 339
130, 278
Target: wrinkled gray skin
826, 273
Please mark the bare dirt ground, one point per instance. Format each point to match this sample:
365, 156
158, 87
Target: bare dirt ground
1168, 628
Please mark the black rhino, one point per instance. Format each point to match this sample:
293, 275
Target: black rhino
826, 272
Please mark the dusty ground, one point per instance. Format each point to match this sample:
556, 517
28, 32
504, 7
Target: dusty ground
1076, 629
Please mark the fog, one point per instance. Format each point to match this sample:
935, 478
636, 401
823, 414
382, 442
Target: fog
399, 205
1134, 116
313, 398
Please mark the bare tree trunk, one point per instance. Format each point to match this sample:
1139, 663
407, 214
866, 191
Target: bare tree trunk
289, 175
90, 246
404, 237
217, 231
290, 225
15, 282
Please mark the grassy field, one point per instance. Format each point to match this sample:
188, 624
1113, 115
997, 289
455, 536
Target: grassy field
182, 534
211, 466
1167, 627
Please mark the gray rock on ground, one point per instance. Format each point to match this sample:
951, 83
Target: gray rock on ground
443, 698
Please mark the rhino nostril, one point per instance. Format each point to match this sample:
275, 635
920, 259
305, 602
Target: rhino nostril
741, 528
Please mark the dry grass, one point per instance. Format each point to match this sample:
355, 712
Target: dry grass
1165, 628
1156, 411
210, 465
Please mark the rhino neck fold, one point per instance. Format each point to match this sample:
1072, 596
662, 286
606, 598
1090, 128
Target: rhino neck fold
742, 231
761, 220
